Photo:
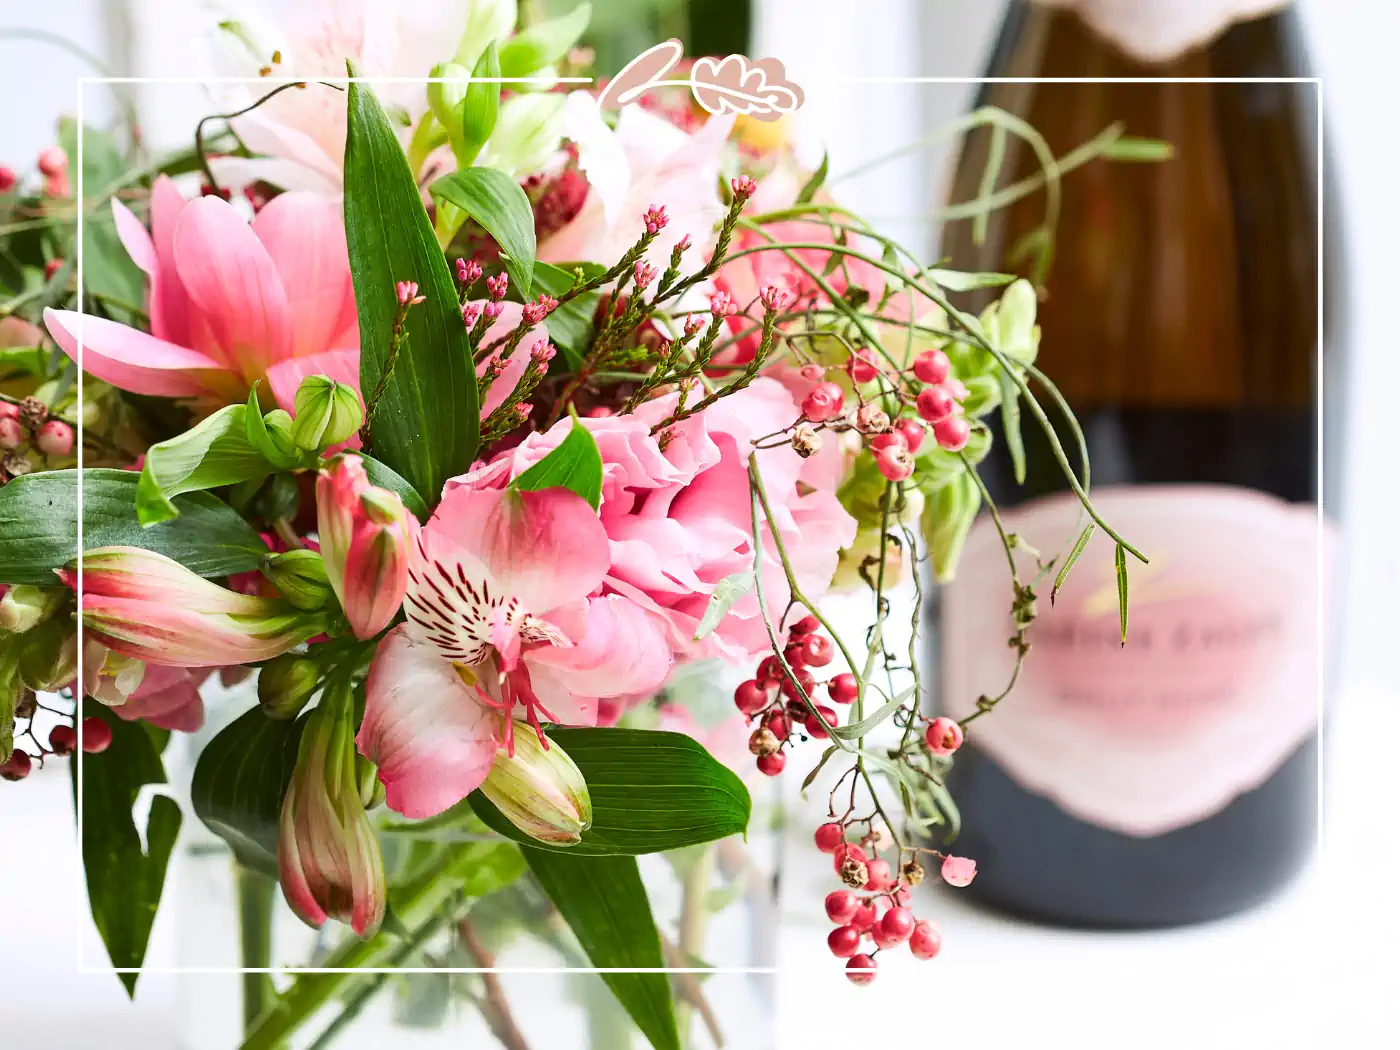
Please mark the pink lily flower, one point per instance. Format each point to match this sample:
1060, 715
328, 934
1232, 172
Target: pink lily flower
149, 607
230, 302
503, 617
365, 537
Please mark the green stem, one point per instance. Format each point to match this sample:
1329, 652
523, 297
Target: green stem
694, 916
256, 893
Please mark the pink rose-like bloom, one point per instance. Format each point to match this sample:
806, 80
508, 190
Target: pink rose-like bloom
958, 871
230, 302
505, 620
678, 521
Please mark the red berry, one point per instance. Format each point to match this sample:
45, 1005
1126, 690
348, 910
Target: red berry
52, 161
63, 739
750, 697
879, 877
847, 851
896, 463
806, 625
861, 366
864, 916
840, 906
11, 433
18, 765
97, 735
844, 941
888, 439
804, 677
815, 728
952, 433
8, 179
778, 724
10, 410
944, 736
896, 926
794, 655
55, 438
771, 669
925, 940
843, 689
934, 403
817, 650
815, 373
913, 433
772, 765
825, 401
52, 267
829, 837
932, 366
860, 969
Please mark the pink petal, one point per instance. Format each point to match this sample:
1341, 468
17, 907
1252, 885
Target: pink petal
305, 236
170, 304
237, 289
431, 738
134, 238
168, 697
547, 548
134, 361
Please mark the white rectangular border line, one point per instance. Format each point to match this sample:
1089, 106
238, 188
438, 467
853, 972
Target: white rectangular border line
1317, 82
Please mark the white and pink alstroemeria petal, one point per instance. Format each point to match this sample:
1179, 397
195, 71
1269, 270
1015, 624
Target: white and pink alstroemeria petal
431, 737
133, 361
134, 238
234, 284
544, 548
133, 572
623, 651
311, 164
305, 235
452, 601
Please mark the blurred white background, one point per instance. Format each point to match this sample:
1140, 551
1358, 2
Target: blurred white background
1279, 977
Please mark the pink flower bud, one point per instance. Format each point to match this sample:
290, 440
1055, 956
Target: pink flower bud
743, 187
655, 218
861, 366
522, 411
932, 366
824, 402
952, 433
8, 179
773, 298
495, 368
958, 871
52, 161
365, 534
721, 305
643, 274
934, 403
683, 244
543, 352
497, 285
693, 324
468, 273
944, 736
52, 267
327, 855
871, 419
493, 309
471, 313
406, 291
149, 607
55, 438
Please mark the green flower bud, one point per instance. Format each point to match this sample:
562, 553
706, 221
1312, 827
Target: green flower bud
48, 658
327, 413
480, 107
445, 95
25, 607
540, 790
301, 577
285, 684
284, 451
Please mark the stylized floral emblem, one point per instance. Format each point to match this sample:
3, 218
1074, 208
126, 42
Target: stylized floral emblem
758, 88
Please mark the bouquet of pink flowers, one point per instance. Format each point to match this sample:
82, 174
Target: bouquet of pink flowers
463, 423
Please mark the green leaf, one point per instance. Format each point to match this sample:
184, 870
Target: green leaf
1120, 568
728, 591
574, 464
605, 904
481, 105
1011, 425
1074, 554
275, 447
855, 730
957, 281
107, 269
570, 325
425, 424
22, 361
496, 201
214, 453
948, 515
385, 478
39, 523
812, 185
124, 882
1133, 149
651, 791
239, 781
543, 43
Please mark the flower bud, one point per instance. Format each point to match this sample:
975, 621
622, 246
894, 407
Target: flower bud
365, 533
540, 790
300, 576
327, 413
279, 427
286, 684
327, 855
24, 607
49, 656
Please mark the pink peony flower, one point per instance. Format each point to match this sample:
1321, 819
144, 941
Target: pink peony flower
504, 616
678, 521
230, 302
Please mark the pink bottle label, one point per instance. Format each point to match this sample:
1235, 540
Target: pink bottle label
1217, 684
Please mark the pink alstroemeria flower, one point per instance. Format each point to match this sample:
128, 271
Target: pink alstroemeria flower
230, 302
503, 617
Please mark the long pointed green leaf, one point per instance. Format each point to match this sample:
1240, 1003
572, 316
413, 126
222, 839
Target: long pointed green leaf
426, 423
1074, 554
1120, 566
605, 904
497, 202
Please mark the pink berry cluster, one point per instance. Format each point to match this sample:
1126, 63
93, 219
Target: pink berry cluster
25, 426
873, 913
773, 698
893, 442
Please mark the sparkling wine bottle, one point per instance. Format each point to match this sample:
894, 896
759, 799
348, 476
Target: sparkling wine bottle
1173, 779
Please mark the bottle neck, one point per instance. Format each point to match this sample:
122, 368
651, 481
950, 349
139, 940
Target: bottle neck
1158, 31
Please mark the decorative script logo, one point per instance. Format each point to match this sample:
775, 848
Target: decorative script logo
758, 88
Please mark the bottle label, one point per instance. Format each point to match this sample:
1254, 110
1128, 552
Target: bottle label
1216, 686
1160, 30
